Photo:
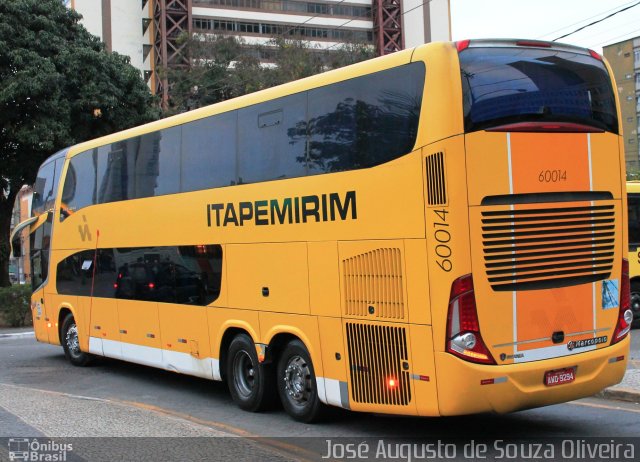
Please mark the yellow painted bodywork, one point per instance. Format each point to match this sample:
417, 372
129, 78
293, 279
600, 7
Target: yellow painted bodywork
303, 264
633, 187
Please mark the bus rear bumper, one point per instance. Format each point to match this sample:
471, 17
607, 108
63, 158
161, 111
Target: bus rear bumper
467, 388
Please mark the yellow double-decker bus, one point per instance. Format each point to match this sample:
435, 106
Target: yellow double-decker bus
440, 231
633, 203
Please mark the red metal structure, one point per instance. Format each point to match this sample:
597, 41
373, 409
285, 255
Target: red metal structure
172, 18
387, 26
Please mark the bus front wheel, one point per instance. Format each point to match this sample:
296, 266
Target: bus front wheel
71, 343
297, 383
251, 383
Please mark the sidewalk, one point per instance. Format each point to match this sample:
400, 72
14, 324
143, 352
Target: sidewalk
629, 388
16, 332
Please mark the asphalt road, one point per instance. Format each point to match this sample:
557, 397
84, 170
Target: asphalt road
42, 395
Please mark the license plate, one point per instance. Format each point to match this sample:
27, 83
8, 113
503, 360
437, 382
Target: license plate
559, 376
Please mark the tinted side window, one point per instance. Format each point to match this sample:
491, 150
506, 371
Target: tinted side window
105, 274
112, 172
364, 121
155, 160
74, 274
190, 275
46, 186
269, 143
209, 152
80, 188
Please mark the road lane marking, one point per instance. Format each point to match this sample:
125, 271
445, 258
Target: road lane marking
604, 406
18, 335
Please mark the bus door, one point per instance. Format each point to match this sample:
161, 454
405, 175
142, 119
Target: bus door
40, 250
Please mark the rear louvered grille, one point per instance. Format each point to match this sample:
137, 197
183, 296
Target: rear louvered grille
376, 355
551, 247
373, 284
436, 180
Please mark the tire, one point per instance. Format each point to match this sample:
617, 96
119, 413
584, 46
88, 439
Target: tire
251, 384
635, 303
71, 344
297, 384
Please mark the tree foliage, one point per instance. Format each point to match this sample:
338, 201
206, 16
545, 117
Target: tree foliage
225, 67
59, 86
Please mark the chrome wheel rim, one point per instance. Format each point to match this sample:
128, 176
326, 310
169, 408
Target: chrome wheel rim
73, 344
297, 381
244, 373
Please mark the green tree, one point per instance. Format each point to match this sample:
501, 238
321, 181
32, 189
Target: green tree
224, 67
58, 86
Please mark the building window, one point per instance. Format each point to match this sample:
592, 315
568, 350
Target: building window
632, 140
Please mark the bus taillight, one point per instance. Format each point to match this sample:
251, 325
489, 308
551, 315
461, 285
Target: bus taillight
625, 316
463, 329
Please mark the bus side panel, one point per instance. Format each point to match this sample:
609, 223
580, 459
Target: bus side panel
334, 362
423, 371
417, 281
447, 227
271, 277
324, 278
185, 338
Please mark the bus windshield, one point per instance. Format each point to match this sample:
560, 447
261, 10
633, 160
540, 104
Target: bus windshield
503, 86
46, 185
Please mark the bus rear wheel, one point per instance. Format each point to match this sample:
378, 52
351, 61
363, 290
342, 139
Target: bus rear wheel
635, 303
297, 384
251, 383
71, 343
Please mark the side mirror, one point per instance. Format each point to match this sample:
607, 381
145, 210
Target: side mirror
16, 245
14, 240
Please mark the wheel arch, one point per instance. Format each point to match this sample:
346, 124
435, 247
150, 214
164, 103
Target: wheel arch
278, 337
64, 310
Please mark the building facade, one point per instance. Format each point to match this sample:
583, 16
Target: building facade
148, 30
624, 58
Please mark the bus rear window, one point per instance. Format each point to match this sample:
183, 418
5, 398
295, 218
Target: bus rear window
504, 86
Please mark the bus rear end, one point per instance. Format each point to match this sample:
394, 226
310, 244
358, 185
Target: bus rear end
543, 317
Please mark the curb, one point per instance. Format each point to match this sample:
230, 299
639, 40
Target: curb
620, 394
19, 335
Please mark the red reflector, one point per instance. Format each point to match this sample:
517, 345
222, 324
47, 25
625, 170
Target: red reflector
462, 45
424, 378
487, 381
595, 55
533, 43
620, 358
